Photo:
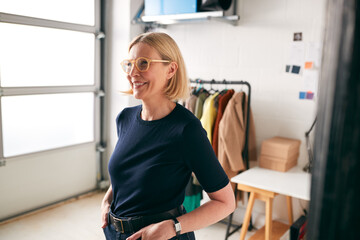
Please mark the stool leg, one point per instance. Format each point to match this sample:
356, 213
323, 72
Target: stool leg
268, 219
290, 212
247, 217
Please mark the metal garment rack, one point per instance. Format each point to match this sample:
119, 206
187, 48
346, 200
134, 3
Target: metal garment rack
245, 153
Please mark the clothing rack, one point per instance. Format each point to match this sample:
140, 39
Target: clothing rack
245, 153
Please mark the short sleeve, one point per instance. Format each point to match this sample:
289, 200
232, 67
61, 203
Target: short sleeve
118, 123
200, 158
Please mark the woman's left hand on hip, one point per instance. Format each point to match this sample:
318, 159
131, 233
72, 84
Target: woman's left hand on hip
158, 231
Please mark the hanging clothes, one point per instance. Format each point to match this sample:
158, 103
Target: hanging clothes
209, 115
193, 195
207, 120
200, 103
190, 103
222, 103
193, 191
232, 136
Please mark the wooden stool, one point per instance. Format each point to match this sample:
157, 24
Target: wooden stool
267, 197
278, 230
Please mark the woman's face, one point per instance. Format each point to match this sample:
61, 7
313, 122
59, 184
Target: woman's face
150, 84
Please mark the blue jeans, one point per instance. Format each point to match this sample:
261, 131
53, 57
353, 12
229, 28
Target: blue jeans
112, 234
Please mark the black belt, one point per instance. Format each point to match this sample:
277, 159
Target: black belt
134, 224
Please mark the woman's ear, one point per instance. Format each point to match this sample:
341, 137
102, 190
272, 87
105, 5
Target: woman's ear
171, 70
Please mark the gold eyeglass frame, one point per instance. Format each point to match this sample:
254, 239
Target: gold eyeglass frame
133, 62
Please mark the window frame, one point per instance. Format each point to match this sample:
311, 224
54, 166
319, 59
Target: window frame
96, 88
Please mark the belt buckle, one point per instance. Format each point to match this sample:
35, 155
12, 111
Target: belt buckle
121, 223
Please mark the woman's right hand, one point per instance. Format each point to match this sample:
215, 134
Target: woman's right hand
105, 208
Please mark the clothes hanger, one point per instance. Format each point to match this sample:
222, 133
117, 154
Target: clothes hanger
199, 87
224, 82
195, 88
212, 90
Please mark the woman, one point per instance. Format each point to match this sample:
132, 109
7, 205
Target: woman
159, 144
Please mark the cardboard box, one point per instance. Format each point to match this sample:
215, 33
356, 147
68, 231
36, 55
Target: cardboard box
281, 166
291, 158
280, 147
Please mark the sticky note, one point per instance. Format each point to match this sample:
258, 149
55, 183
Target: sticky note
309, 95
308, 65
302, 95
287, 68
295, 69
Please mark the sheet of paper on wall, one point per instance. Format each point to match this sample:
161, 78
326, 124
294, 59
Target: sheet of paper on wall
314, 54
310, 78
296, 57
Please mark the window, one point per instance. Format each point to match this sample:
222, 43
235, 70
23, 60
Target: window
38, 122
50, 121
37, 56
49, 74
73, 11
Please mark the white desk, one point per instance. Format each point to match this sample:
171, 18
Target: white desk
265, 184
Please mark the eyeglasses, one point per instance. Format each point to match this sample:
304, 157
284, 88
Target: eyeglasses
142, 64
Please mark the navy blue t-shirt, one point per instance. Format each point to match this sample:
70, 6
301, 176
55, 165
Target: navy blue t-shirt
153, 160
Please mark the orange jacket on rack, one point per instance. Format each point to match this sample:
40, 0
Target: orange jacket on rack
232, 136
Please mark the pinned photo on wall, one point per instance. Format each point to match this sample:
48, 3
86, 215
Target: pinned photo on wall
295, 69
302, 95
298, 36
287, 68
309, 95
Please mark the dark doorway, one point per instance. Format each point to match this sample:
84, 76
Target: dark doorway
335, 189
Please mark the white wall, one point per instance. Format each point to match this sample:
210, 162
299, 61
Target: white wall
119, 34
255, 51
117, 39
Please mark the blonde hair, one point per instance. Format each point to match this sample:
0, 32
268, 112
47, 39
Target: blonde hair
178, 86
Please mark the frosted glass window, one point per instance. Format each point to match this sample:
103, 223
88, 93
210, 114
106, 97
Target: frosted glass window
37, 56
73, 11
39, 122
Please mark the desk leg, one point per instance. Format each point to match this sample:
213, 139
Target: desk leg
247, 217
268, 220
290, 212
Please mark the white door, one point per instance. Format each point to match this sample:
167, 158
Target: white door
49, 108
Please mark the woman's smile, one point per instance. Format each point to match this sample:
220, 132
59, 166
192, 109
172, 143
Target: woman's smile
138, 84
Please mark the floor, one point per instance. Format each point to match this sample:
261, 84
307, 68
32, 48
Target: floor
80, 219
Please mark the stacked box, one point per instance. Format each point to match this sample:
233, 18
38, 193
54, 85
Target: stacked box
279, 153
